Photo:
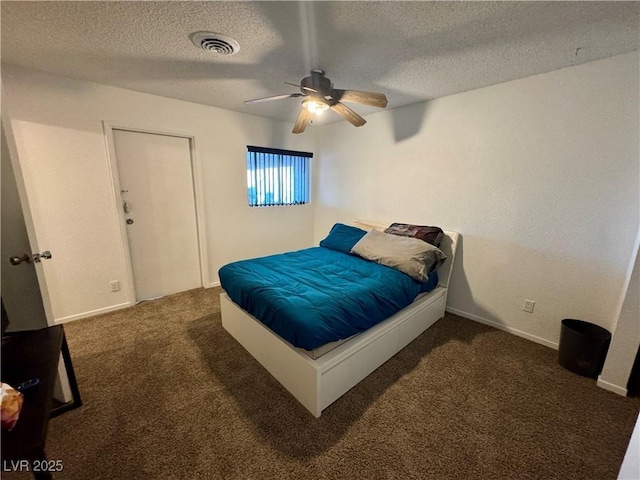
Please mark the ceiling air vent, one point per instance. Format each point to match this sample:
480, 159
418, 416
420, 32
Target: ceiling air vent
215, 42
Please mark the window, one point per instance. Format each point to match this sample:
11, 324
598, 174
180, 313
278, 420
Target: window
277, 177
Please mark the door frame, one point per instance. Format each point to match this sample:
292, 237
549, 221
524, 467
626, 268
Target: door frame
196, 175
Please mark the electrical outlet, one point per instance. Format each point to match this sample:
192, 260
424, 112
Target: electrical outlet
115, 285
528, 306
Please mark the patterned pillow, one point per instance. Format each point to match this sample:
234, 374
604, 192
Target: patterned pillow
432, 235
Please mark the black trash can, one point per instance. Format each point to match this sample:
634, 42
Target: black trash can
583, 347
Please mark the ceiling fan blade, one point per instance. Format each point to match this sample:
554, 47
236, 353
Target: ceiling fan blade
352, 117
302, 121
372, 99
301, 86
274, 97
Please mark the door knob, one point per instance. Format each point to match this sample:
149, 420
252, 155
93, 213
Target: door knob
17, 260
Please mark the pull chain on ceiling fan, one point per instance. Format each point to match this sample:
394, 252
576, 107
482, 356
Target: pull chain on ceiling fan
320, 96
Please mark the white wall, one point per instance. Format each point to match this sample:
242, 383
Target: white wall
539, 175
58, 129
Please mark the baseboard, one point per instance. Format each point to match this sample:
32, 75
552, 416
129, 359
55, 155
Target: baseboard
91, 313
112, 308
611, 387
499, 326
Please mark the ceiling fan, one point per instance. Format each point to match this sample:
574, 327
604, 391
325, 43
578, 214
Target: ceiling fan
320, 95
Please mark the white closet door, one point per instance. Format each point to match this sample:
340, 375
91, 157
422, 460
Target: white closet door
156, 183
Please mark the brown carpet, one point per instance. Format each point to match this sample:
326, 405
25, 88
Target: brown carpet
168, 394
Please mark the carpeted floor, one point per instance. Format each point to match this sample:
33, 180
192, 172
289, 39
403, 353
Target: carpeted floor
168, 394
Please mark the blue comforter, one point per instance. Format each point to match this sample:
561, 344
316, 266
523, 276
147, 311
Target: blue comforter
314, 296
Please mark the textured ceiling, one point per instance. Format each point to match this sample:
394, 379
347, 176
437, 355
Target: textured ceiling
411, 51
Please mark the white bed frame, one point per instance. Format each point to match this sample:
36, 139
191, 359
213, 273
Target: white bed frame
318, 383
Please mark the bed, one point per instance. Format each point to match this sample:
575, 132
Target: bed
318, 377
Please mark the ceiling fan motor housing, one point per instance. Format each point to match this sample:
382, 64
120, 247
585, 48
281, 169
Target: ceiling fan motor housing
317, 81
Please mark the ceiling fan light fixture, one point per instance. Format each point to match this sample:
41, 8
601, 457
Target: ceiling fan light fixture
315, 106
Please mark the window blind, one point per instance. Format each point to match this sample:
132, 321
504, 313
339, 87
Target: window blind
277, 177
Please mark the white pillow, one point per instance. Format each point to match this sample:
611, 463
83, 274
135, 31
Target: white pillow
409, 255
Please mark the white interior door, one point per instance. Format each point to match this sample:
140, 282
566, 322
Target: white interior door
156, 182
21, 293
25, 299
